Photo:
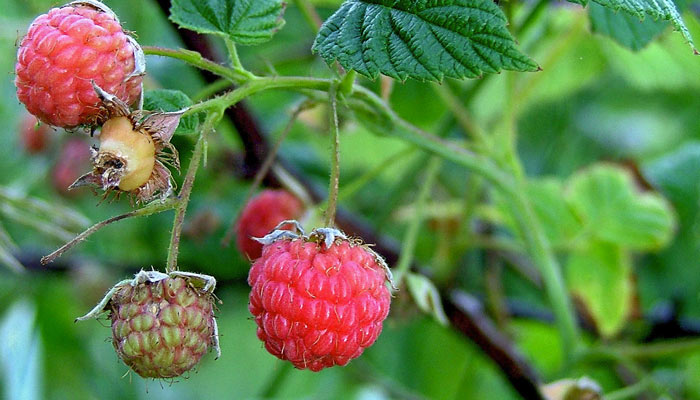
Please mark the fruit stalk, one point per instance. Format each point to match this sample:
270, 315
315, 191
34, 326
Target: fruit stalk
183, 198
335, 158
408, 245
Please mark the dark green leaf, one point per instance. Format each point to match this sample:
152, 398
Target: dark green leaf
172, 100
611, 209
243, 21
420, 39
656, 9
624, 28
600, 277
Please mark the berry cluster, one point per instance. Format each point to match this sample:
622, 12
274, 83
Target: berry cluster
318, 300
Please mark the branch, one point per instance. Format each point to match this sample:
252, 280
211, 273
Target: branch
467, 316
492, 342
150, 209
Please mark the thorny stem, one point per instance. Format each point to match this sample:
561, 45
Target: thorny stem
196, 60
264, 169
503, 179
183, 198
152, 208
235, 60
408, 244
220, 103
335, 157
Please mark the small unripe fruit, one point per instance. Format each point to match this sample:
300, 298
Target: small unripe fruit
133, 151
120, 143
162, 329
162, 324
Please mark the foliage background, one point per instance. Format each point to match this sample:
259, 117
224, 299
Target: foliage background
594, 100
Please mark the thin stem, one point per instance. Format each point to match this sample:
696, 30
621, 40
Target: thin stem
347, 83
196, 60
630, 391
220, 103
408, 245
310, 15
335, 158
652, 350
539, 249
211, 89
537, 244
184, 196
351, 188
461, 114
264, 169
233, 54
532, 16
235, 59
276, 381
150, 209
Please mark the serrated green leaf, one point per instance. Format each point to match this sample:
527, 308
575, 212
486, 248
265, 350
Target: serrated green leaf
172, 100
426, 296
625, 29
641, 9
600, 276
246, 22
611, 209
420, 39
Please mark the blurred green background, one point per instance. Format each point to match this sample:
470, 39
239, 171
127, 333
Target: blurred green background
594, 100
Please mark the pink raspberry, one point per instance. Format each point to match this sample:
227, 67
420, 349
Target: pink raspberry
261, 215
315, 306
63, 51
34, 137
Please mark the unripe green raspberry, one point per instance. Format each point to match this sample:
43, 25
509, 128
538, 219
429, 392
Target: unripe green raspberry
162, 324
162, 329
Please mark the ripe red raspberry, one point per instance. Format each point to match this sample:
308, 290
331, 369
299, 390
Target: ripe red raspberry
318, 306
67, 48
262, 213
34, 137
162, 324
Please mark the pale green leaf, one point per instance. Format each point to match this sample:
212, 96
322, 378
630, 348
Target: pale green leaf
420, 39
426, 296
172, 100
624, 28
599, 276
613, 210
641, 9
558, 220
243, 21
